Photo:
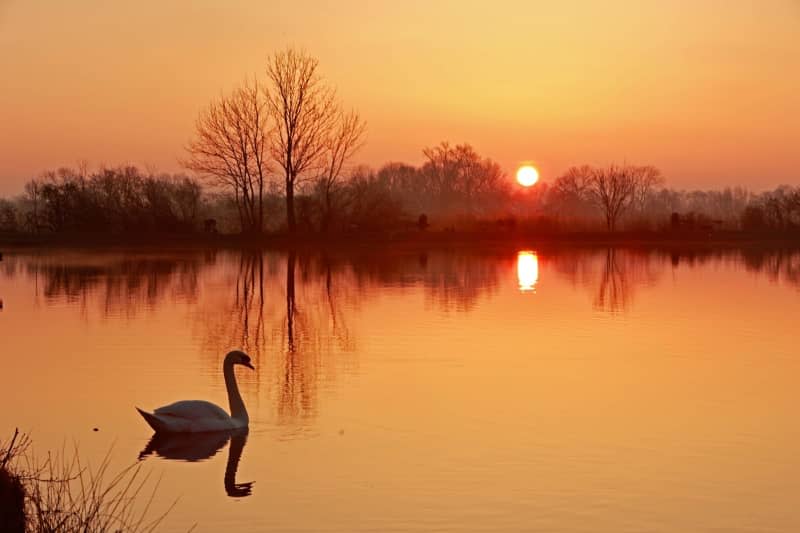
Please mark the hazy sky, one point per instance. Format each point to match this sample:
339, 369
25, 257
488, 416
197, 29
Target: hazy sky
709, 91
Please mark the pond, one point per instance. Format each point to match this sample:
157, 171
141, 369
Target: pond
474, 389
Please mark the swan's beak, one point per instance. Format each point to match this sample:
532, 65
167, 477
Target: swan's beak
249, 365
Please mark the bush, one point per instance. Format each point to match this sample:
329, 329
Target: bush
112, 200
8, 217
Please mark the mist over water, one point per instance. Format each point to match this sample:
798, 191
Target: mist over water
478, 389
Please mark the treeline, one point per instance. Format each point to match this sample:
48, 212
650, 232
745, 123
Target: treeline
120, 200
454, 189
636, 198
454, 181
274, 154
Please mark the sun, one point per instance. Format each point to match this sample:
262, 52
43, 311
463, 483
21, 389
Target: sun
527, 175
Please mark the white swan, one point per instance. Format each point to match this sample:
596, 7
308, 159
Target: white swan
194, 416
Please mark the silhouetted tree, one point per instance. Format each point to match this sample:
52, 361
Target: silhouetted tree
612, 189
372, 205
617, 188
646, 179
406, 184
230, 147
344, 139
31, 199
753, 218
570, 196
457, 178
110, 200
8, 216
781, 208
305, 113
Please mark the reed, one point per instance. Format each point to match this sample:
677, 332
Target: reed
60, 493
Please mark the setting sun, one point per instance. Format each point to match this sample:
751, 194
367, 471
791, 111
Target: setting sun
311, 207
527, 175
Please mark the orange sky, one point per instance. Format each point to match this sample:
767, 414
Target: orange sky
709, 91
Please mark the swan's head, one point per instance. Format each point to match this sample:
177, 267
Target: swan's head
237, 357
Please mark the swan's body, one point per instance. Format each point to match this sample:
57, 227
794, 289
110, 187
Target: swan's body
195, 416
191, 416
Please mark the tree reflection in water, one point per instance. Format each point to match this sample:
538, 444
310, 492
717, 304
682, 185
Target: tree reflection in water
115, 284
622, 273
611, 275
125, 283
294, 312
298, 388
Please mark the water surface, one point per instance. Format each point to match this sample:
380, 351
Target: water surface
561, 390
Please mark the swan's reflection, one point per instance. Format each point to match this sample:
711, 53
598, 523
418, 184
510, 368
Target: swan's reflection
193, 447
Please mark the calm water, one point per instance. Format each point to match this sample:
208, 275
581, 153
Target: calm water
506, 390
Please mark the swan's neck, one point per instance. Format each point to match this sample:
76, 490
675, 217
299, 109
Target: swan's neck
234, 398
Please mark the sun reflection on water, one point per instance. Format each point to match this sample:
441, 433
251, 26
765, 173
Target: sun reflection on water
527, 270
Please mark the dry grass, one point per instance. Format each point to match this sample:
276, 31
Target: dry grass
62, 494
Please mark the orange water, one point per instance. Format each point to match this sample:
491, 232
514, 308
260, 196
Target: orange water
559, 390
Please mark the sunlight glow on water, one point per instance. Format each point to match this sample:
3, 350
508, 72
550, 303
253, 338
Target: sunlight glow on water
527, 271
419, 391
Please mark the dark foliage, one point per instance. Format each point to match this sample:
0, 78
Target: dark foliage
12, 503
455, 189
111, 200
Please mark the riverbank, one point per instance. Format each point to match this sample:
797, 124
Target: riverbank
412, 239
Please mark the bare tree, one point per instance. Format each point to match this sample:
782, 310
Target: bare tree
456, 177
570, 194
230, 147
646, 179
8, 216
33, 200
574, 182
344, 140
615, 188
304, 110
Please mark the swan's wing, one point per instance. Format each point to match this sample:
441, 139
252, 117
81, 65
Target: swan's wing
189, 416
193, 410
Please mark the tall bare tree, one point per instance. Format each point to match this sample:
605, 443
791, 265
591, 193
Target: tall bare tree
570, 195
344, 139
304, 109
616, 188
612, 189
230, 147
647, 178
456, 177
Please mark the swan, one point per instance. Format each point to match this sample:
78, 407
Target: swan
195, 416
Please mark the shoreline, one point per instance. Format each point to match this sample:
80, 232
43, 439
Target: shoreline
407, 240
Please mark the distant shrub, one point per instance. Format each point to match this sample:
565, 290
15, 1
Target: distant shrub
8, 217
